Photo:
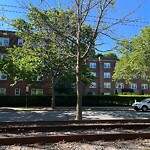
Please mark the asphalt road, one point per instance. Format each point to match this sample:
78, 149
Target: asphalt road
14, 115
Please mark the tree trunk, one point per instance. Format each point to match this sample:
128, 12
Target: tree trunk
78, 66
79, 90
53, 93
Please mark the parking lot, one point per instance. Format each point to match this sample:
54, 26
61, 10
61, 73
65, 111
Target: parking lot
18, 115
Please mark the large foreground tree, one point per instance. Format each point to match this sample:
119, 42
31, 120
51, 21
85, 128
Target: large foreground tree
75, 32
135, 57
44, 52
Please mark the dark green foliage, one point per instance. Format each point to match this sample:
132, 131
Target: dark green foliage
111, 55
68, 100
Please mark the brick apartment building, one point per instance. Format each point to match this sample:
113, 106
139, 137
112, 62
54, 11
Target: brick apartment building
37, 86
102, 68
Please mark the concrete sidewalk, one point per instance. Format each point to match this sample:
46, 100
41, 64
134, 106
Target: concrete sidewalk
70, 115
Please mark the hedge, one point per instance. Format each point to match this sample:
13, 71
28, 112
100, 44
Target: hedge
68, 100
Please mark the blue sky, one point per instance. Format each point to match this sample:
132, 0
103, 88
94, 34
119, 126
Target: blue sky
121, 8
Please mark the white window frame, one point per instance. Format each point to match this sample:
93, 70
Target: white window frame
36, 91
93, 74
20, 42
107, 85
73, 85
107, 75
4, 41
107, 65
144, 86
2, 91
92, 65
143, 77
134, 76
120, 85
3, 76
17, 91
93, 85
133, 86
1, 56
107, 94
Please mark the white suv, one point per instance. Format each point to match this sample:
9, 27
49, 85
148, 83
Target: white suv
144, 105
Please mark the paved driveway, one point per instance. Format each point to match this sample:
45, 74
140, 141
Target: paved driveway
70, 114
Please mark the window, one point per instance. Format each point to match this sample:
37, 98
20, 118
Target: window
92, 65
106, 74
134, 76
144, 86
119, 85
93, 74
2, 91
3, 76
17, 91
93, 85
73, 85
143, 77
106, 93
107, 85
36, 91
133, 86
20, 42
107, 65
1, 56
4, 41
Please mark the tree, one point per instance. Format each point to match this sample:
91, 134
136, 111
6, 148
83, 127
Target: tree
111, 55
83, 11
77, 38
135, 60
44, 53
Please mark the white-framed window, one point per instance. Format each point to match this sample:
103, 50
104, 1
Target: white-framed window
107, 85
144, 86
107, 75
143, 77
4, 41
20, 42
2, 91
73, 85
106, 93
17, 91
93, 74
120, 85
92, 65
36, 91
134, 76
93, 85
133, 86
3, 76
1, 56
107, 65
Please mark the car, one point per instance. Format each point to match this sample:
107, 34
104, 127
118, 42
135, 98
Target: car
143, 105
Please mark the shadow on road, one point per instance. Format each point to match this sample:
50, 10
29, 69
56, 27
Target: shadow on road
70, 115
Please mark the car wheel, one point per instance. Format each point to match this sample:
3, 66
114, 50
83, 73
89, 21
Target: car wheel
144, 108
